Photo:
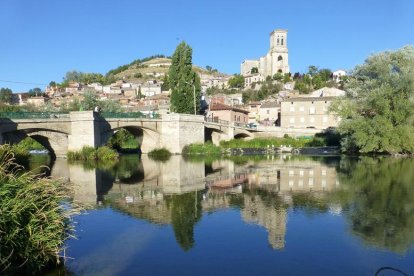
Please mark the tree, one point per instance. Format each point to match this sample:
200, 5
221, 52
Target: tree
312, 70
286, 78
278, 76
90, 100
181, 79
165, 84
254, 70
377, 116
35, 92
237, 81
209, 68
5, 95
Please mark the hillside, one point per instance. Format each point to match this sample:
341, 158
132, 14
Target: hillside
153, 68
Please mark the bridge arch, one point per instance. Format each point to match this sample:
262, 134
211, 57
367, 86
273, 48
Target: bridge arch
147, 138
55, 142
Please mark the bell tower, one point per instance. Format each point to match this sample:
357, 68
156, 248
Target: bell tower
278, 53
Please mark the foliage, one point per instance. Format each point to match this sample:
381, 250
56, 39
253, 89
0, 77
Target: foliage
378, 114
5, 95
206, 149
161, 154
123, 139
165, 84
267, 89
35, 92
33, 223
276, 142
186, 211
254, 70
181, 80
237, 81
90, 153
29, 143
379, 199
136, 62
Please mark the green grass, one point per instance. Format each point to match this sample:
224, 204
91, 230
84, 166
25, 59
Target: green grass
93, 154
34, 223
276, 142
206, 149
161, 154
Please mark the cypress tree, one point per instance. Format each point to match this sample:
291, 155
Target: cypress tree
181, 79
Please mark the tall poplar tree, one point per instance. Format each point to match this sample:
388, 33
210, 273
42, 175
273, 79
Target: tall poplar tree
181, 79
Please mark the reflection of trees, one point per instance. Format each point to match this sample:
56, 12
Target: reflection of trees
128, 169
185, 213
380, 197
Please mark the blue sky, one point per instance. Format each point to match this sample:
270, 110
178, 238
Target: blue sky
42, 40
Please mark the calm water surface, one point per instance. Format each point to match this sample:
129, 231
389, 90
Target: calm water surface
279, 215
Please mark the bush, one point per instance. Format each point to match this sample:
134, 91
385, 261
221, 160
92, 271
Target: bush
207, 148
89, 153
33, 223
160, 154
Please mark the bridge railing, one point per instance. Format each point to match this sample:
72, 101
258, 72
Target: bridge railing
216, 120
243, 125
135, 115
33, 115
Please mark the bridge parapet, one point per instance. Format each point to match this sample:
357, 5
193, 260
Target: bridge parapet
34, 115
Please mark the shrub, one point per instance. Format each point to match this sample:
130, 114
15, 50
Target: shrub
34, 223
160, 154
207, 148
89, 153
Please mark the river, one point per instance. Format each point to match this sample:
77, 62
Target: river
271, 215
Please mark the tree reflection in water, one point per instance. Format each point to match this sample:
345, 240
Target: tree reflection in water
186, 211
378, 197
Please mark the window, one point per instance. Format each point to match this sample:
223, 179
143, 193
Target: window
301, 108
302, 120
268, 111
323, 172
312, 119
311, 182
278, 41
325, 119
292, 109
301, 173
291, 172
281, 42
300, 183
292, 120
312, 110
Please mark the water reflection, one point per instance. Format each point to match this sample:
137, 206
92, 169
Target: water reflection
373, 195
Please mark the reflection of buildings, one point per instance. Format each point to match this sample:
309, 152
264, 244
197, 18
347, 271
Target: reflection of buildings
294, 176
273, 219
261, 190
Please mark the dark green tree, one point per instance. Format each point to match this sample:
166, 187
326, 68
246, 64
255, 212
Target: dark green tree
378, 114
254, 70
35, 92
5, 95
237, 81
165, 84
183, 80
186, 211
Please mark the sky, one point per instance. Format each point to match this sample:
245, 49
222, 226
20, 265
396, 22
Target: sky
42, 40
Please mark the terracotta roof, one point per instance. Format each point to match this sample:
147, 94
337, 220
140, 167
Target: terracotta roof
219, 106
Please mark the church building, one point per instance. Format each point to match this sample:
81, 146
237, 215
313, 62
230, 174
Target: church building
276, 60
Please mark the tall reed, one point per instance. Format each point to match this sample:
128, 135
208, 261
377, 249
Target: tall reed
35, 217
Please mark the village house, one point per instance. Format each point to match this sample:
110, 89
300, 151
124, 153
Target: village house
36, 101
253, 108
252, 78
269, 113
228, 113
308, 112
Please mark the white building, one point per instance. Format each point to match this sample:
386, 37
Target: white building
338, 74
276, 60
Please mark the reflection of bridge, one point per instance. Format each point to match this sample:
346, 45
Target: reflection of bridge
62, 132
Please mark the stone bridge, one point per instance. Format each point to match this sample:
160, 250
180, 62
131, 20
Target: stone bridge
62, 132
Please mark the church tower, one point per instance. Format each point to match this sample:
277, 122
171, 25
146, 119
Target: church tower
278, 55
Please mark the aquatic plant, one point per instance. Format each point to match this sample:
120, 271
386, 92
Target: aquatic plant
34, 218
